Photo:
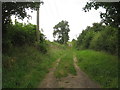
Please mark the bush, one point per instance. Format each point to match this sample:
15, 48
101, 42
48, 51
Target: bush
99, 37
106, 40
19, 34
23, 34
42, 47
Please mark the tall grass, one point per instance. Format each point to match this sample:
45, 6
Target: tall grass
100, 66
25, 67
65, 66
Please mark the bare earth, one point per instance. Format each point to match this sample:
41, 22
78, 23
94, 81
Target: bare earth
50, 80
81, 80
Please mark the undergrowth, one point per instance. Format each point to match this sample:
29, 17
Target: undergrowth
65, 66
100, 66
25, 67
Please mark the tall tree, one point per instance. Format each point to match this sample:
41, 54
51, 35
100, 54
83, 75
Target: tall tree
110, 17
61, 31
18, 9
112, 14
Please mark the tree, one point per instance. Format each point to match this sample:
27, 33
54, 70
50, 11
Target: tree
18, 9
99, 37
61, 31
112, 14
84, 39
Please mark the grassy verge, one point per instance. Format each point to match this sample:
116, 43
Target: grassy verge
100, 66
65, 66
25, 67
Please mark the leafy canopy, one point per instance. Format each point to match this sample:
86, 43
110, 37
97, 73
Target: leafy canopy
61, 31
18, 9
99, 37
112, 14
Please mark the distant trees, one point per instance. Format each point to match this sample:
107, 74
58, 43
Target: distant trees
99, 37
61, 31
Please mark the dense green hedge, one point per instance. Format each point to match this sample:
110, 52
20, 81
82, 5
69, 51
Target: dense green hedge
19, 34
99, 37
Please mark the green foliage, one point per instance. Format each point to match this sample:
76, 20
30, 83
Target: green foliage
99, 37
42, 46
61, 31
112, 14
21, 34
100, 66
65, 66
73, 43
86, 36
18, 9
108, 42
26, 67
18, 35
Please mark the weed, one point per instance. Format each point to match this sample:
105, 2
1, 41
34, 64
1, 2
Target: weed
66, 66
100, 66
25, 67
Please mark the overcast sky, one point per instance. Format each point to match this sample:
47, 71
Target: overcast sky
54, 11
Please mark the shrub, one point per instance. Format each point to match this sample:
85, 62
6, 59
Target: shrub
105, 40
23, 34
99, 37
42, 47
19, 34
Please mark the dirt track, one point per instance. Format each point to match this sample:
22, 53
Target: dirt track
81, 80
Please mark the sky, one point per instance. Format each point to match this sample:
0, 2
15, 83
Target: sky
54, 11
